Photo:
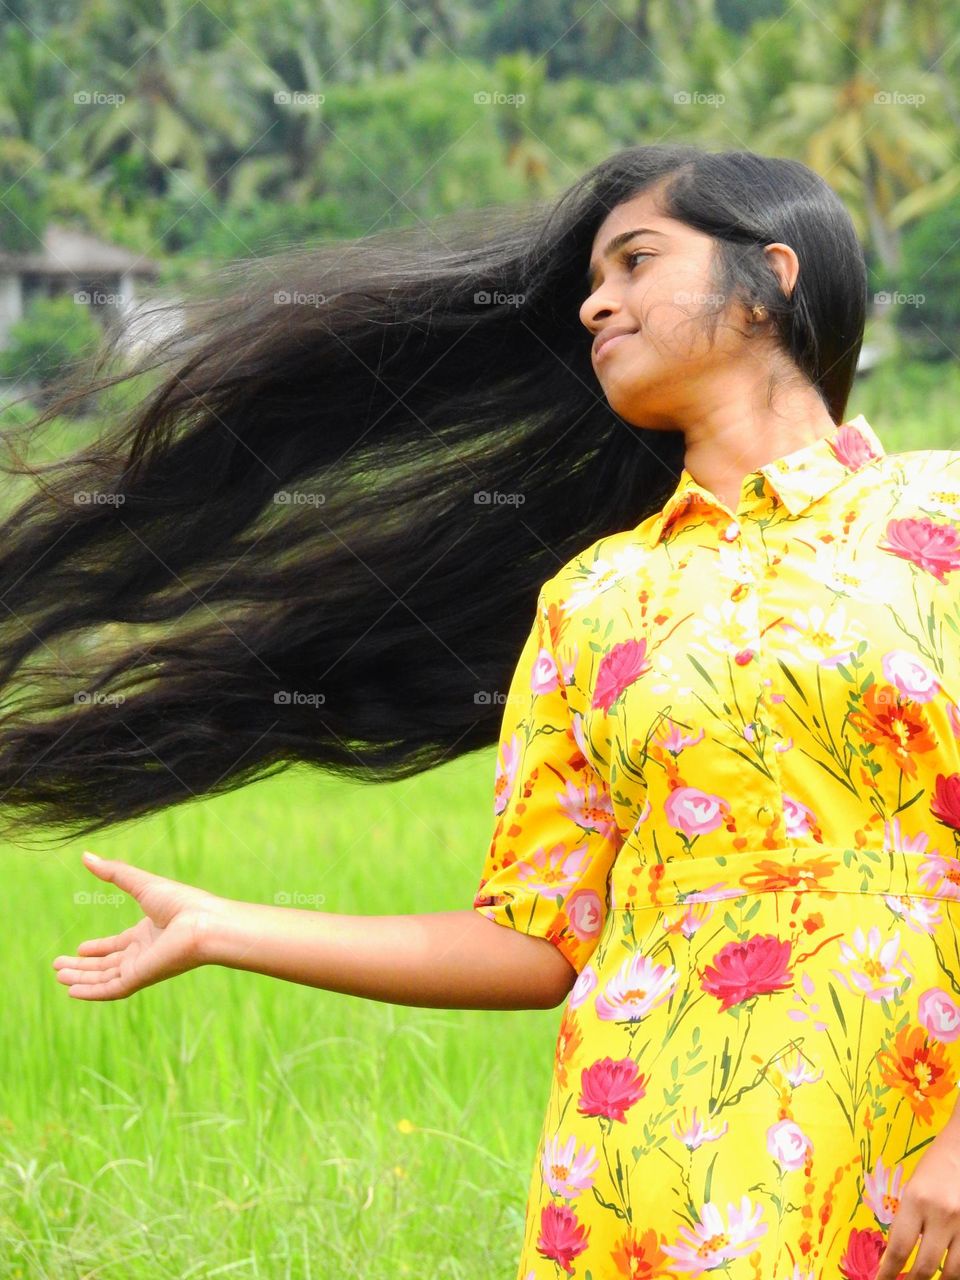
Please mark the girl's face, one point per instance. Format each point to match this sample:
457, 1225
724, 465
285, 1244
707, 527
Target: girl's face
653, 288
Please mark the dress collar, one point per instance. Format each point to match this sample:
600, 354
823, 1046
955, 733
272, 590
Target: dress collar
798, 478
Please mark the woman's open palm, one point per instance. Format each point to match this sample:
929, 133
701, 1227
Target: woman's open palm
161, 945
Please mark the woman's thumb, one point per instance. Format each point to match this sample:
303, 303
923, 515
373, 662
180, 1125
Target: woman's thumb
131, 879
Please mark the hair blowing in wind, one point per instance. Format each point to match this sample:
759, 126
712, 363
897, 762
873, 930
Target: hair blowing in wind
313, 533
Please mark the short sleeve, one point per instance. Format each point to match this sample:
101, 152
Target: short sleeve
555, 836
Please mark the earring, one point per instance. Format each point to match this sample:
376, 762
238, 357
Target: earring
758, 311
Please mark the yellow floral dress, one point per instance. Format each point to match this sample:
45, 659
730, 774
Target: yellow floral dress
728, 791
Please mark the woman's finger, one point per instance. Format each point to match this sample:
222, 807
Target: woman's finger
101, 946
91, 963
930, 1254
907, 1224
87, 978
114, 989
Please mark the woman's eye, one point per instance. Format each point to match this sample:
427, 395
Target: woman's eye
638, 253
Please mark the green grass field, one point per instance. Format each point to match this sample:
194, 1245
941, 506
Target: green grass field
226, 1124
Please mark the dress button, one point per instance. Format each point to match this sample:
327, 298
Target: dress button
732, 531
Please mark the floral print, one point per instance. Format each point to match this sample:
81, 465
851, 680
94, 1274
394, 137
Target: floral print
728, 791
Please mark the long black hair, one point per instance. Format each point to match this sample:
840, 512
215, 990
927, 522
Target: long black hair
330, 517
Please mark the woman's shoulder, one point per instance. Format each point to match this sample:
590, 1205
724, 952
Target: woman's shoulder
594, 570
926, 477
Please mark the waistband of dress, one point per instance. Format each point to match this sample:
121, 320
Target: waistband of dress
824, 870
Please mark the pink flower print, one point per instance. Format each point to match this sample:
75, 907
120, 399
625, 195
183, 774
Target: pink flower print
554, 872
568, 1170
851, 447
609, 1087
585, 913
506, 775
590, 807
911, 676
714, 892
788, 1145
919, 914
568, 666
694, 1133
881, 1192
692, 811
893, 838
875, 969
939, 1014
543, 678
795, 1274
861, 1258
694, 918
742, 970
930, 546
797, 817
638, 986
585, 983
674, 740
945, 805
713, 1242
807, 1009
798, 1072
941, 873
620, 667
562, 1237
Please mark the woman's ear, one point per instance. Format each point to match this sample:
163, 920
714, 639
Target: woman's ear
785, 263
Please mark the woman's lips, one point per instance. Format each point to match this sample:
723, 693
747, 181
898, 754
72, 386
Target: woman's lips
610, 344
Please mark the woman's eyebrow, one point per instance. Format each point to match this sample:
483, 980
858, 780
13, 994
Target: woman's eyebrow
614, 244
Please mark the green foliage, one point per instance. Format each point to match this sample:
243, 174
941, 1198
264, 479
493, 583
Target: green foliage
911, 403
931, 270
23, 208
55, 334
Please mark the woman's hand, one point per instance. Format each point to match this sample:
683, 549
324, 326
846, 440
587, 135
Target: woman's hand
161, 945
930, 1205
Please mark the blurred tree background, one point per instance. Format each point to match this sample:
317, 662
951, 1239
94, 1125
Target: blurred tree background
194, 133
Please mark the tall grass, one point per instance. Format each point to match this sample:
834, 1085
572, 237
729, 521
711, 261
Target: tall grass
224, 1123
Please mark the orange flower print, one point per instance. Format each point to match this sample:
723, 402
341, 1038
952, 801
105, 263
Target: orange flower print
896, 724
920, 1070
569, 1040
639, 1255
775, 877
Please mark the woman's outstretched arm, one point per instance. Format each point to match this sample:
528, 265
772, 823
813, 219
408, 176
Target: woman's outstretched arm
444, 959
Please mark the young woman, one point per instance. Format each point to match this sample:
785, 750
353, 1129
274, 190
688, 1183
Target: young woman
597, 453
